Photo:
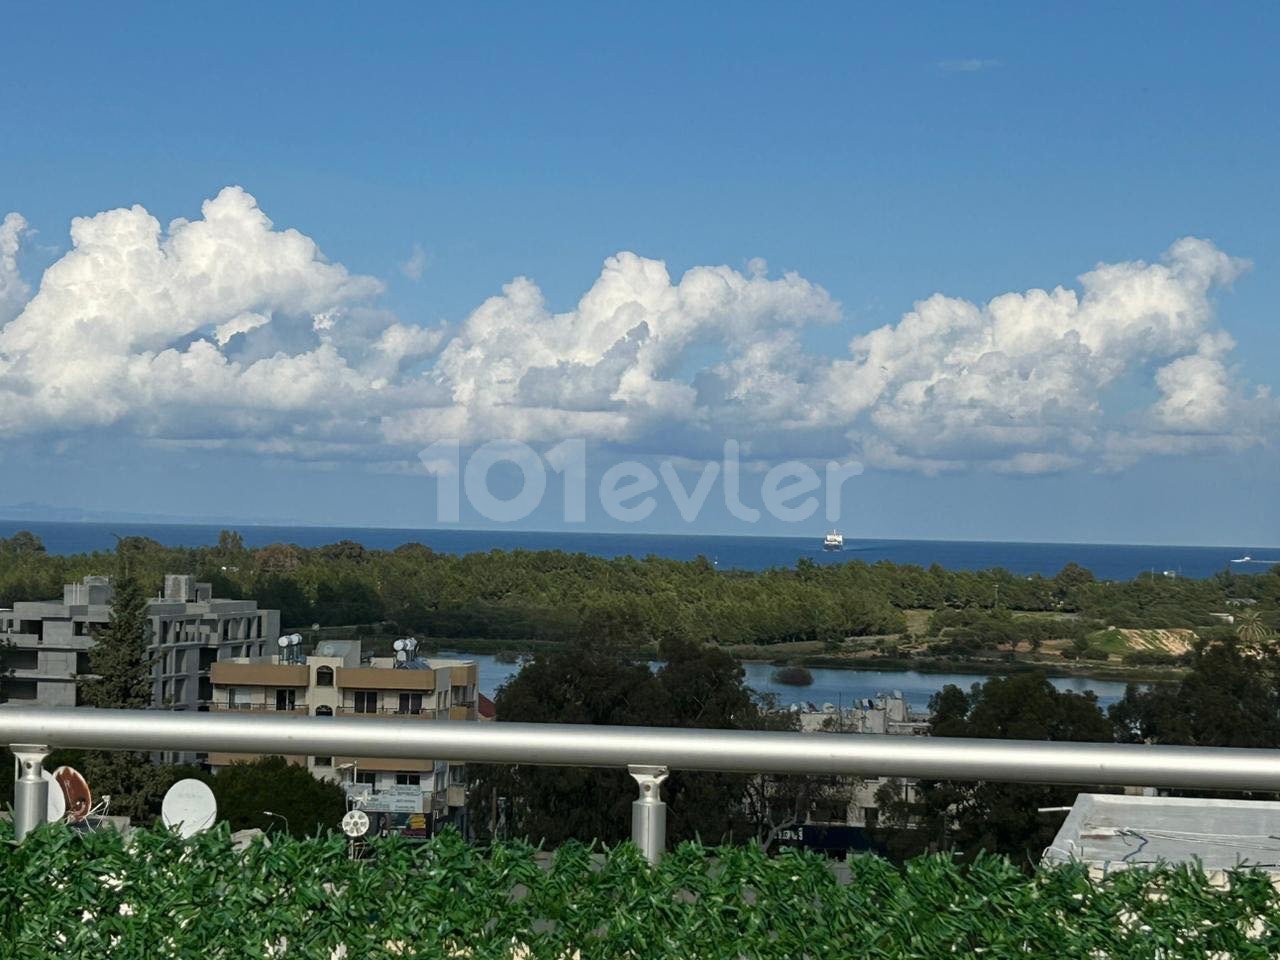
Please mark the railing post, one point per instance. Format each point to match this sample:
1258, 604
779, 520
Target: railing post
30, 790
649, 813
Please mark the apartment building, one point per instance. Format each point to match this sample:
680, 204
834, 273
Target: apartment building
190, 628
336, 680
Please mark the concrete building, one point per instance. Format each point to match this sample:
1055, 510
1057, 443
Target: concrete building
190, 629
886, 713
336, 680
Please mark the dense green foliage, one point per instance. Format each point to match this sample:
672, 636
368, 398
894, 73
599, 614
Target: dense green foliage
245, 791
1001, 817
1229, 698
152, 896
550, 595
697, 686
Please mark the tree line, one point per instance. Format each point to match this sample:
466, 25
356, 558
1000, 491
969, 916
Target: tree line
557, 596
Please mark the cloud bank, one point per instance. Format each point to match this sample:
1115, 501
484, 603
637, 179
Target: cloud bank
227, 331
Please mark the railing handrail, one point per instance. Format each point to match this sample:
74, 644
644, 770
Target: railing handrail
721, 751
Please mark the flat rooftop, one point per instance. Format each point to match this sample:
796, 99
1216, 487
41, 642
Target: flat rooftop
1113, 831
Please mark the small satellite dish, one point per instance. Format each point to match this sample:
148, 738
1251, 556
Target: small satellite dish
57, 808
398, 646
296, 639
355, 824
283, 642
75, 792
189, 807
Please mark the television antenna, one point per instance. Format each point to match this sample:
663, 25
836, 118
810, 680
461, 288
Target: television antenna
355, 824
189, 807
76, 794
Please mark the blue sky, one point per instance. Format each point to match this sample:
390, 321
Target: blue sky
881, 157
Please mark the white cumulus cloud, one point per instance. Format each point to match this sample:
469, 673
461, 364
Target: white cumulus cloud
226, 330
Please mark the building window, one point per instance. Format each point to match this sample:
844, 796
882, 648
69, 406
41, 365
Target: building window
367, 777
82, 662
231, 697
458, 774
322, 761
324, 676
410, 703
408, 779
23, 659
324, 711
285, 699
20, 689
366, 701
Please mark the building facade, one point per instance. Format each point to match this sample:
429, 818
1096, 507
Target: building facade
190, 629
337, 681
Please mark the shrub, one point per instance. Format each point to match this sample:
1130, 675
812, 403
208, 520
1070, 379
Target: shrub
793, 676
73, 896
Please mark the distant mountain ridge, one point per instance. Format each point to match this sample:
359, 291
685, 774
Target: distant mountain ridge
44, 513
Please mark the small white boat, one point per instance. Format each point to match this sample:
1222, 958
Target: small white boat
833, 541
1245, 559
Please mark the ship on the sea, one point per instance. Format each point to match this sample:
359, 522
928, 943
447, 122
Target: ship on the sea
833, 541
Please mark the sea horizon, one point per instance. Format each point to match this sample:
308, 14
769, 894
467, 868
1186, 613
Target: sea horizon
729, 551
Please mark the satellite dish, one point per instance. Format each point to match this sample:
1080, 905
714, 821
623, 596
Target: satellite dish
296, 639
75, 792
189, 807
355, 824
57, 808
398, 646
283, 642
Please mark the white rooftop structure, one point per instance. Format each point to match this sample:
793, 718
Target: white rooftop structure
1112, 832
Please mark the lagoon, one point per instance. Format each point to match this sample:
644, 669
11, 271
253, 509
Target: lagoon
837, 686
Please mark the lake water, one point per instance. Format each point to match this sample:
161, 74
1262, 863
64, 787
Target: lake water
1107, 561
836, 686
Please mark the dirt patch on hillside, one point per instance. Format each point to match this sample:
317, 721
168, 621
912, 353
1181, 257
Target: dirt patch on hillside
1176, 642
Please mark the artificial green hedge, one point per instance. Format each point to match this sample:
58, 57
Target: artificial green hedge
153, 896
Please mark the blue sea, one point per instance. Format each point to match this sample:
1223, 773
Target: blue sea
1107, 561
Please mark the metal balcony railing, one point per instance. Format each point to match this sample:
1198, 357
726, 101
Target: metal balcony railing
646, 752
293, 708
424, 713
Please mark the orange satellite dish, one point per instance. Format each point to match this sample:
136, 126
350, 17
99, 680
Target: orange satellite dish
76, 790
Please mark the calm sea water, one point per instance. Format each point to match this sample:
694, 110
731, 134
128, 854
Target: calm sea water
836, 686
1108, 561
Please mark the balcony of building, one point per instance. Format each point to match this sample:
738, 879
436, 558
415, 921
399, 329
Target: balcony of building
420, 713
381, 678
258, 674
295, 708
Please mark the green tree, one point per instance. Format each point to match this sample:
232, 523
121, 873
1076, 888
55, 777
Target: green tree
121, 679
587, 683
1003, 817
1251, 629
120, 668
245, 791
24, 543
1229, 698
697, 686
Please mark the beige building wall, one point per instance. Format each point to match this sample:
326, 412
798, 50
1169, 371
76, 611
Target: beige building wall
330, 686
